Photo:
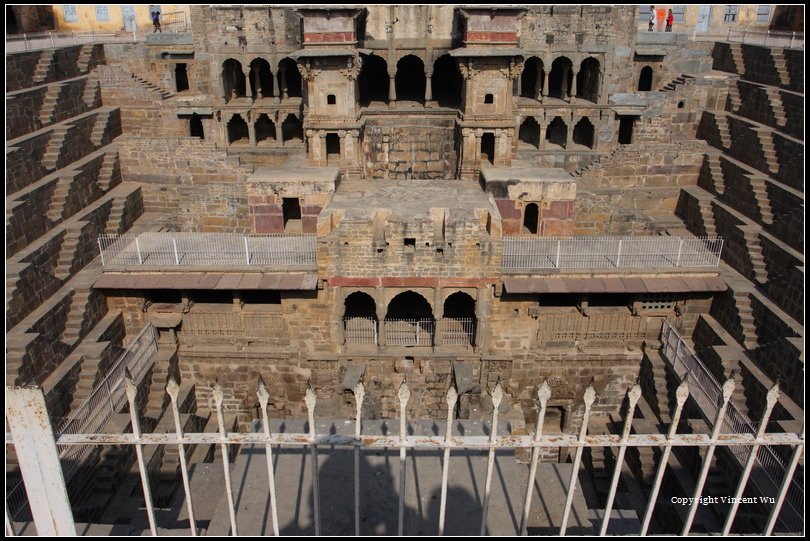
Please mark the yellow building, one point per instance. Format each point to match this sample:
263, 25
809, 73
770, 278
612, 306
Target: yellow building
713, 18
118, 17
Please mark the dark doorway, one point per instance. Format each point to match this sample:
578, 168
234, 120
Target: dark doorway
373, 80
265, 129
291, 212
530, 132
195, 126
332, 149
292, 129
238, 130
583, 133
446, 83
645, 79
180, 77
261, 78
531, 215
531, 81
291, 78
557, 132
360, 304
560, 78
488, 148
409, 305
588, 80
233, 79
410, 79
626, 129
459, 320
11, 21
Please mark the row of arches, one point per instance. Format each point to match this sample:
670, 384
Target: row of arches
258, 81
263, 130
561, 81
410, 82
409, 320
557, 133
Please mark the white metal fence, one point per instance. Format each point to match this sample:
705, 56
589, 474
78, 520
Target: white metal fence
360, 331
610, 252
707, 393
105, 400
34, 441
206, 249
456, 332
409, 332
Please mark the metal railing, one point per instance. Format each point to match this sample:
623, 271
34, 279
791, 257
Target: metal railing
33, 438
456, 332
105, 400
708, 394
360, 331
409, 332
610, 252
768, 38
51, 40
206, 249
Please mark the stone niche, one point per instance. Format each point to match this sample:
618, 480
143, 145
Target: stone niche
532, 201
329, 26
491, 25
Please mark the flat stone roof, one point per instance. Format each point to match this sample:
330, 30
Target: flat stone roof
526, 173
529, 180
294, 171
409, 200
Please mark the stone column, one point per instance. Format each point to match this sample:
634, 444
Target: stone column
544, 90
339, 330
248, 88
500, 158
481, 317
438, 315
381, 309
569, 136
221, 81
392, 89
428, 87
543, 128
321, 149
574, 85
600, 82
310, 135
251, 129
342, 137
477, 151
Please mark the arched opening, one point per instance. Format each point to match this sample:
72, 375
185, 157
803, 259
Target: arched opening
180, 77
588, 80
458, 323
410, 80
289, 79
360, 319
332, 149
557, 132
233, 79
446, 83
645, 79
261, 78
530, 132
195, 126
409, 321
560, 78
238, 130
373, 80
265, 129
292, 130
11, 21
583, 133
531, 81
531, 216
488, 148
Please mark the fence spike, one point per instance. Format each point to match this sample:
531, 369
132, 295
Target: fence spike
452, 396
728, 388
172, 388
682, 393
129, 385
544, 392
404, 393
261, 392
590, 395
309, 397
218, 393
359, 394
497, 395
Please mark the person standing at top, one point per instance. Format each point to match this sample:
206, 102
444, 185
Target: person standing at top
156, 22
652, 19
670, 20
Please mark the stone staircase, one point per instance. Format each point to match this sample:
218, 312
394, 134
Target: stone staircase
85, 54
603, 161
43, 67
75, 317
760, 190
778, 56
105, 174
742, 301
775, 99
738, 57
734, 98
752, 244
721, 121
91, 90
49, 104
765, 136
715, 181
155, 89
51, 156
100, 127
113, 226
59, 199
67, 253
677, 81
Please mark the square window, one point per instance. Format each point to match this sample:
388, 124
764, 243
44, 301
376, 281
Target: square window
70, 14
763, 14
410, 242
489, 98
331, 100
102, 13
730, 14
679, 13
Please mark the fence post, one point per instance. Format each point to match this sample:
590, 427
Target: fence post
219, 395
247, 253
792, 37
176, 257
557, 261
359, 394
25, 42
452, 397
38, 458
132, 392
53, 45
264, 397
588, 398
497, 398
543, 394
75, 42
310, 399
619, 254
680, 250
173, 390
100, 251
138, 248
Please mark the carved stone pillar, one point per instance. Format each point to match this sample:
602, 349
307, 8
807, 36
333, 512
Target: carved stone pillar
321, 146
574, 85
248, 88
381, 310
251, 129
569, 136
428, 86
543, 129
477, 151
537, 81
392, 89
